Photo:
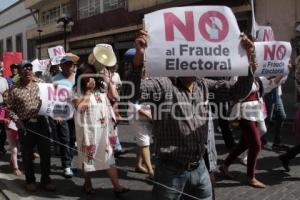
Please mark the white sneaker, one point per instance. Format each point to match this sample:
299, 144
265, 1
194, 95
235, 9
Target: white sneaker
68, 172
245, 160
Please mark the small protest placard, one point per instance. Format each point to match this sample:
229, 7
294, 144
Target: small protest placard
56, 101
272, 58
194, 41
56, 54
40, 65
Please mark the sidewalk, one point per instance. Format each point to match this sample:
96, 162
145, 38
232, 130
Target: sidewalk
281, 185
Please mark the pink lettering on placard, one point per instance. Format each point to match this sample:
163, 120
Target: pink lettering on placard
185, 28
61, 94
213, 26
51, 94
281, 52
58, 51
274, 52
268, 35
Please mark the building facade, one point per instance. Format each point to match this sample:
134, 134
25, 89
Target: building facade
14, 21
47, 34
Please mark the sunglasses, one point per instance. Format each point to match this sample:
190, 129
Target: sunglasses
29, 68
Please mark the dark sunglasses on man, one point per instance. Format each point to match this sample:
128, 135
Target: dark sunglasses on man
27, 67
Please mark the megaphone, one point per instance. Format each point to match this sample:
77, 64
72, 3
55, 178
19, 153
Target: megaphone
102, 56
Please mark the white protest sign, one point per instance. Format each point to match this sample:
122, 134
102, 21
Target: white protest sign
264, 33
194, 41
56, 101
272, 58
56, 54
40, 65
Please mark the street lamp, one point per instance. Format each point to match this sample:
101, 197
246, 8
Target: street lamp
40, 44
65, 22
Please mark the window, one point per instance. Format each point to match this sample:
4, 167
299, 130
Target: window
113, 4
1, 49
54, 14
9, 46
19, 42
88, 8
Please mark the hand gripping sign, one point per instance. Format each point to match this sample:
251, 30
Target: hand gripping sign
56, 101
272, 58
194, 41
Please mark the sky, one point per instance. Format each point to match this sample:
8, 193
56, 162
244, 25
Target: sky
5, 3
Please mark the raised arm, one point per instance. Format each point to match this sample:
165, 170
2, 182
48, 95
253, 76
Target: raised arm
150, 90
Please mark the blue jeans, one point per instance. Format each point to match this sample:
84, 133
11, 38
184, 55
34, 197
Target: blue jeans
276, 117
195, 183
66, 137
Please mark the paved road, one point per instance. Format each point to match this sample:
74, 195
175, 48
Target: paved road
281, 185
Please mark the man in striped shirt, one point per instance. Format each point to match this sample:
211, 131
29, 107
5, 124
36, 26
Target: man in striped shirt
180, 112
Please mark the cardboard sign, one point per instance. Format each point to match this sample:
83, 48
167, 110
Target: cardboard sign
264, 33
272, 58
56, 101
10, 58
56, 54
40, 65
194, 41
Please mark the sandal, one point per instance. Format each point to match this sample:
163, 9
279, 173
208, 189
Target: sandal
88, 189
17, 172
225, 172
142, 171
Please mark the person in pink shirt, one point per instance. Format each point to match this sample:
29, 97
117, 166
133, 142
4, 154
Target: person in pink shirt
12, 135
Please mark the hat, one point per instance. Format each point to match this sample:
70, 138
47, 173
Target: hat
130, 52
66, 59
74, 57
24, 63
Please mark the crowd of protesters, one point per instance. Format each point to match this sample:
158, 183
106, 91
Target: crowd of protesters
185, 149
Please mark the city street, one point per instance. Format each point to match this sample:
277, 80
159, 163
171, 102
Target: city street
281, 185
77, 63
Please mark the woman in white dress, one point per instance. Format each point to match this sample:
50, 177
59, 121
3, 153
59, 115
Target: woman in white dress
94, 132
